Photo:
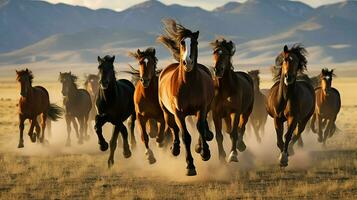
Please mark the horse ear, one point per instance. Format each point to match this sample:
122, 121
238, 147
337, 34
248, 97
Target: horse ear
196, 34
233, 50
112, 59
17, 72
138, 51
286, 49
100, 60
153, 52
27, 70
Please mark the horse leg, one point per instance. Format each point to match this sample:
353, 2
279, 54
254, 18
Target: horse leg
152, 124
75, 126
170, 123
328, 130
202, 147
81, 129
145, 139
233, 156
312, 123
219, 137
333, 126
132, 133
21, 129
85, 126
124, 135
243, 119
100, 120
68, 123
186, 137
113, 145
297, 137
228, 123
43, 126
319, 128
32, 126
160, 138
49, 128
37, 129
256, 130
288, 135
279, 129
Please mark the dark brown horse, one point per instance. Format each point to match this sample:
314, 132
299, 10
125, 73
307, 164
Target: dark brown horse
233, 101
185, 88
34, 102
328, 105
115, 104
259, 114
77, 103
91, 84
146, 98
289, 99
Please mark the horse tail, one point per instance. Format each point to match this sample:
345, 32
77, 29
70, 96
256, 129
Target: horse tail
54, 112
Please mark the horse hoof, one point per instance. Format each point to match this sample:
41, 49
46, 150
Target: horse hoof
33, 138
283, 159
126, 153
175, 150
319, 139
291, 151
209, 135
110, 163
233, 157
198, 148
241, 146
21, 145
103, 146
150, 156
191, 172
133, 145
205, 155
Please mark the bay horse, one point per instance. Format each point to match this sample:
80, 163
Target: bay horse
233, 101
259, 114
290, 99
328, 105
185, 88
146, 99
91, 84
34, 102
77, 103
114, 104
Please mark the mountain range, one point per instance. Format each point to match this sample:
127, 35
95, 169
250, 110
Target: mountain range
36, 31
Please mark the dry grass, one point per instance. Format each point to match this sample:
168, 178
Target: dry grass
80, 172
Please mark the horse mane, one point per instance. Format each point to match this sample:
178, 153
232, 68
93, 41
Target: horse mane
173, 34
223, 44
149, 52
297, 49
23, 73
136, 74
326, 72
69, 75
255, 73
89, 77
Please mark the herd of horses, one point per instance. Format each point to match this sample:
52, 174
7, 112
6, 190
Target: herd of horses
160, 100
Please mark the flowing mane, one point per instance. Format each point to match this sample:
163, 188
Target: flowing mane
24, 72
297, 49
68, 75
174, 33
224, 45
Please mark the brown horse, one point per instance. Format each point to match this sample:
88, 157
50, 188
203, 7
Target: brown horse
259, 114
290, 99
185, 88
233, 101
146, 98
91, 84
34, 102
328, 105
77, 103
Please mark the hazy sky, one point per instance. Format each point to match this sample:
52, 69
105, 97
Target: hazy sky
206, 4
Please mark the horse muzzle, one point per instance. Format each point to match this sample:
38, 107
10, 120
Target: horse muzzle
188, 64
145, 82
288, 80
104, 84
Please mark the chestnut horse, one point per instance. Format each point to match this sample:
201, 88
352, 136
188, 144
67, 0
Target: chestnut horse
34, 102
259, 114
328, 105
115, 105
185, 88
146, 98
91, 84
290, 99
233, 101
77, 104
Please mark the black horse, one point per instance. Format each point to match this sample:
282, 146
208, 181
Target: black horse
115, 105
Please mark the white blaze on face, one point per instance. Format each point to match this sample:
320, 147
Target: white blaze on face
187, 53
327, 77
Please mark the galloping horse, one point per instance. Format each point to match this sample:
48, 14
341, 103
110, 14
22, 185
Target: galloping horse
185, 88
328, 105
290, 99
259, 114
34, 101
115, 105
91, 84
77, 103
233, 101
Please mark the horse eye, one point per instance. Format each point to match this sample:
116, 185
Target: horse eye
182, 42
220, 52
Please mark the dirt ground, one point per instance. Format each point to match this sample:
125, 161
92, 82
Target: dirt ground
54, 171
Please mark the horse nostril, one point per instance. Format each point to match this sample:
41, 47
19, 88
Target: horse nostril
184, 62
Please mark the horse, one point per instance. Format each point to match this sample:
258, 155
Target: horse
91, 84
259, 114
114, 104
146, 98
185, 88
34, 102
77, 104
290, 99
233, 101
328, 105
